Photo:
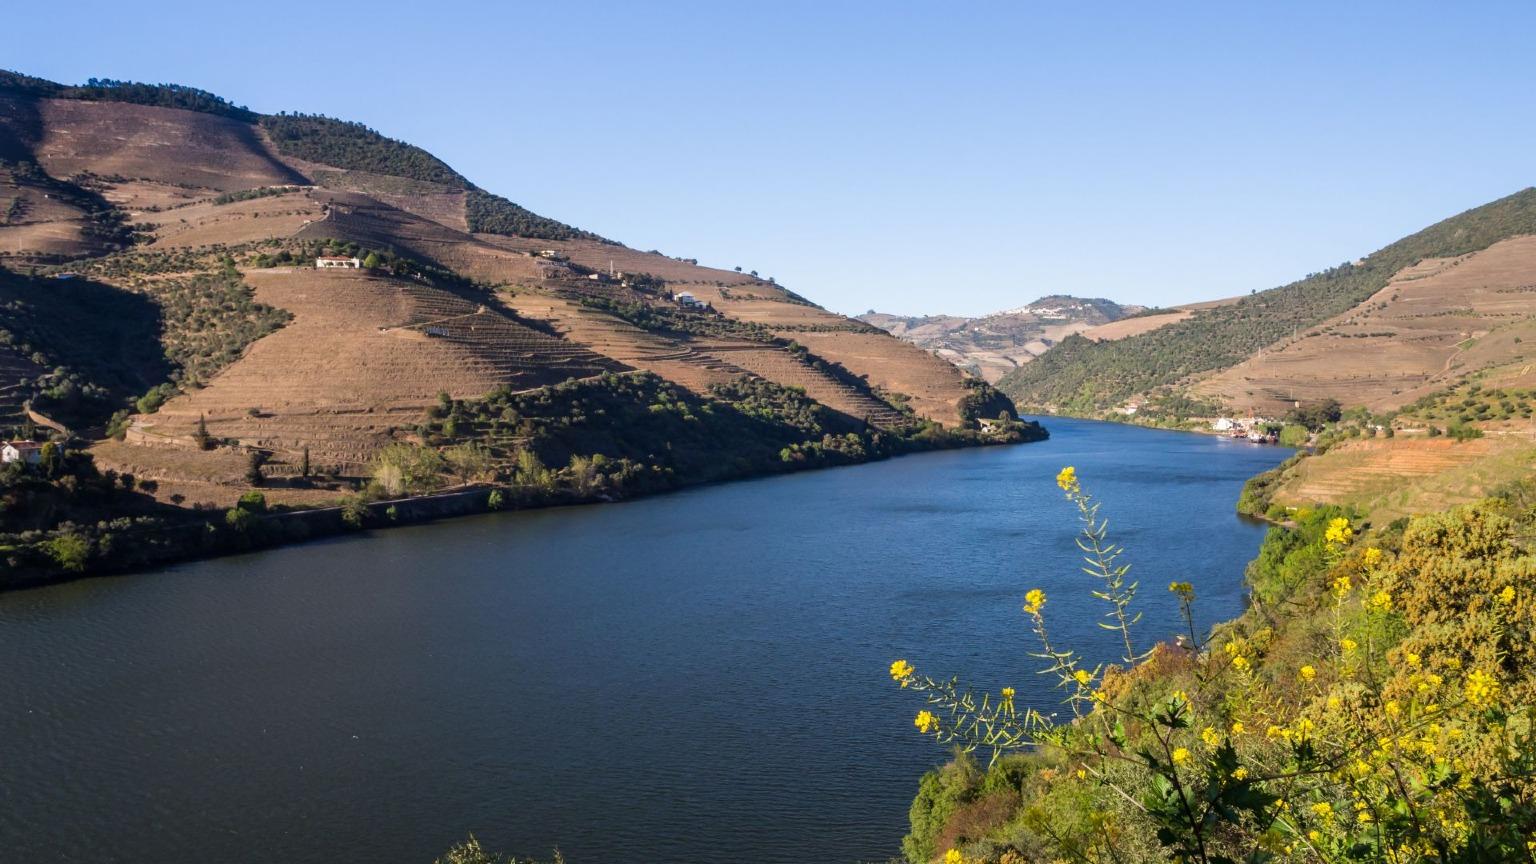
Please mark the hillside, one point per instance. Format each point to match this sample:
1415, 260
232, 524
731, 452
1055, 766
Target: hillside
1088, 377
157, 265
993, 345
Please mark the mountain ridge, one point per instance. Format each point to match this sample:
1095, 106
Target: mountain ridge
993, 344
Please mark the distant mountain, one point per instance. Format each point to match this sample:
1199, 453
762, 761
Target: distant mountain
993, 345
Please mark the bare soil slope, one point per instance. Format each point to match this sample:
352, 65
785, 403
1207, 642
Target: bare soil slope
1433, 324
363, 356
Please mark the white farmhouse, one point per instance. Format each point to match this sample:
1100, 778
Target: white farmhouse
26, 452
688, 301
325, 262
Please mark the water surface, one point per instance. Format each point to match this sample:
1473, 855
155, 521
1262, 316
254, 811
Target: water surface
693, 677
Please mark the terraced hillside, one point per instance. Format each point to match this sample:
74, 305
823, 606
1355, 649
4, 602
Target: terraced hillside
1088, 377
1431, 325
186, 201
363, 357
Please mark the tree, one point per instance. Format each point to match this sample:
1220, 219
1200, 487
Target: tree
468, 460
407, 468
70, 551
201, 436
304, 466
372, 261
50, 461
253, 473
240, 519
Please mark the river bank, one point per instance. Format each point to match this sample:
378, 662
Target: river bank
127, 545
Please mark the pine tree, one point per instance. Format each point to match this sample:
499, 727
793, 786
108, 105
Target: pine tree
304, 467
204, 442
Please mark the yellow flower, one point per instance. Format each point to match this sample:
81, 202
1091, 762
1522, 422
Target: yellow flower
1341, 586
1507, 596
1393, 709
1338, 532
1381, 601
1413, 659
1240, 663
1334, 703
1185, 590
1315, 836
1067, 479
901, 670
1082, 677
1323, 810
1481, 688
1308, 673
1237, 727
926, 722
953, 856
1033, 601
1007, 694
1348, 644
1371, 557
1180, 755
1210, 736
1240, 774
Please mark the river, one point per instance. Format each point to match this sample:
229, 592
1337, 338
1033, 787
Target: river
694, 677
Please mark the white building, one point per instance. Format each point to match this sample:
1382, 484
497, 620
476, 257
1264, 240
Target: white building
28, 452
1223, 424
688, 301
328, 261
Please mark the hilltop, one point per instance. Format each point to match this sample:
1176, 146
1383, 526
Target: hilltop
158, 250
993, 345
1408, 319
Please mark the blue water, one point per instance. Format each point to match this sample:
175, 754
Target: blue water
688, 678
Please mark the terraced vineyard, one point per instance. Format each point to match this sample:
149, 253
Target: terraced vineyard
363, 357
489, 297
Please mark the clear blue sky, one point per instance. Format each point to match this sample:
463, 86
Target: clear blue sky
904, 156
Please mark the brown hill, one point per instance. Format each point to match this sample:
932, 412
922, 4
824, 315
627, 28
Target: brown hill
1433, 324
160, 198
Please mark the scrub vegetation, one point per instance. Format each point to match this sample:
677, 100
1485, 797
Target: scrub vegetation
1373, 704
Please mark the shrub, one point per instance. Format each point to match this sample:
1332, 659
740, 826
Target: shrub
1386, 717
70, 550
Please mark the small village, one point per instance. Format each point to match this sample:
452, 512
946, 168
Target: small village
1259, 430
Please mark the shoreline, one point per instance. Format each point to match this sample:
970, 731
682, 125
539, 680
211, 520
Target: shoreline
201, 539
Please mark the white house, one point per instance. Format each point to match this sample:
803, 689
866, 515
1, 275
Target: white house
688, 301
1223, 424
328, 261
28, 452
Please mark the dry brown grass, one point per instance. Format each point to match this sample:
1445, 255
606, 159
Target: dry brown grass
1392, 477
1435, 323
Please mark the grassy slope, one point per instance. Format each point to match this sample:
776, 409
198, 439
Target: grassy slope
1083, 376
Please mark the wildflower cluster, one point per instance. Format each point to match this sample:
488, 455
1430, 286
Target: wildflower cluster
1406, 737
